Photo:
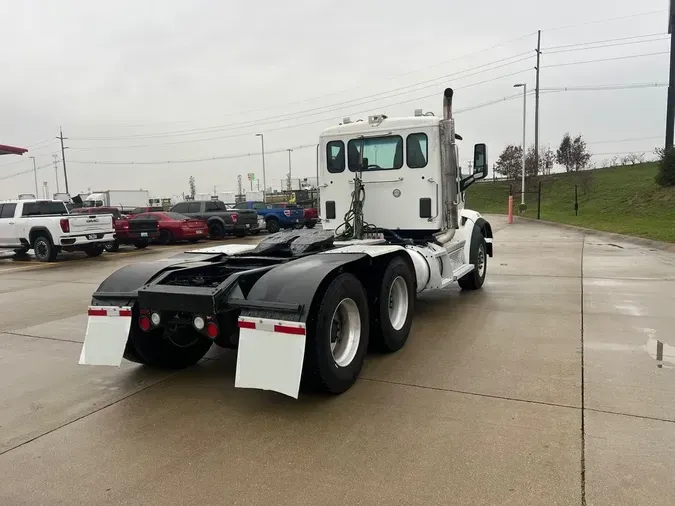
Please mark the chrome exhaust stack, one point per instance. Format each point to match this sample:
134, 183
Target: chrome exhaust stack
449, 169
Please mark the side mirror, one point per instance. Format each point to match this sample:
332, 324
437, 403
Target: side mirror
480, 167
480, 161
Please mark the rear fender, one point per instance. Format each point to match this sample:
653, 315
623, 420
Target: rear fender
215, 219
288, 291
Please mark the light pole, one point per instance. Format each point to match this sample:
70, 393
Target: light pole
37, 196
262, 145
524, 87
288, 184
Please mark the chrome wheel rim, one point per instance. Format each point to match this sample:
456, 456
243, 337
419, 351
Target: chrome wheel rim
345, 332
398, 303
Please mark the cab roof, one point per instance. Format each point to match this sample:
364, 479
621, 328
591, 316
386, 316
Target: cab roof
386, 125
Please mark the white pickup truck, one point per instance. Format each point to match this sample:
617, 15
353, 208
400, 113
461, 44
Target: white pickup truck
46, 227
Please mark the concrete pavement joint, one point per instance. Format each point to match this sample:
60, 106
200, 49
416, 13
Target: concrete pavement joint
583, 391
87, 414
630, 415
475, 394
40, 337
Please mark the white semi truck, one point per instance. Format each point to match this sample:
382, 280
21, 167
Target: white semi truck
305, 306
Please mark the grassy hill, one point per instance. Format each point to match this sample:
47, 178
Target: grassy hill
624, 200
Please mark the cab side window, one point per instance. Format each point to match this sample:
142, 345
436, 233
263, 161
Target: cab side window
335, 156
181, 208
417, 150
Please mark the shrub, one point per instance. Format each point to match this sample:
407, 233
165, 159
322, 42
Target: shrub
666, 175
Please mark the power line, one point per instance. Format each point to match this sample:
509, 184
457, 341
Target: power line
192, 160
28, 171
605, 87
321, 120
630, 43
634, 139
618, 39
266, 108
605, 59
327, 108
607, 20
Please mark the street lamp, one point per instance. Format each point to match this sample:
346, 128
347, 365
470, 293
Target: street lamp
35, 174
262, 144
524, 86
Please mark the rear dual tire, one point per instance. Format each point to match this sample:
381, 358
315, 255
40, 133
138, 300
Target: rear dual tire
337, 342
338, 339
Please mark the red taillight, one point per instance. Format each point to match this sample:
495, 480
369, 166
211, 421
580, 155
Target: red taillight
287, 212
144, 323
212, 330
235, 218
65, 225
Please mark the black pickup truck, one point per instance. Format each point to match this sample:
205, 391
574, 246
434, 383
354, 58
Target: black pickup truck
221, 220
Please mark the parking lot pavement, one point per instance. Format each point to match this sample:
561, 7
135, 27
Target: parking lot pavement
552, 385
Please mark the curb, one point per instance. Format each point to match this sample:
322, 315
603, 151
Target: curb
659, 245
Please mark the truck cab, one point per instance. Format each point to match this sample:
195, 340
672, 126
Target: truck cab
399, 164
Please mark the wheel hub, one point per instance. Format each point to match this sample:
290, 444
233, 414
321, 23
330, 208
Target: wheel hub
398, 303
345, 332
481, 261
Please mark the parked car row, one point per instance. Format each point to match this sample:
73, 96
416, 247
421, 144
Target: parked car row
48, 227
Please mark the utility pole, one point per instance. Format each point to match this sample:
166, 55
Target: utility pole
288, 182
670, 113
56, 170
262, 148
35, 175
240, 190
63, 157
536, 106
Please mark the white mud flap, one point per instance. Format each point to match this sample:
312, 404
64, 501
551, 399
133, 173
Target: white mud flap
107, 334
270, 356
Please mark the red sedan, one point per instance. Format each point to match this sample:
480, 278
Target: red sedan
175, 227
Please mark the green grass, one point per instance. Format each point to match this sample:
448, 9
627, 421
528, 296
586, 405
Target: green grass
624, 200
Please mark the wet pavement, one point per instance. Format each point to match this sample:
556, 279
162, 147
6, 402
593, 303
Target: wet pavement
552, 385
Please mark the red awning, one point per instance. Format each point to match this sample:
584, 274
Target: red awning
11, 150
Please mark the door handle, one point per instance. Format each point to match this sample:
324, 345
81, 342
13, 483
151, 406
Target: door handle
11, 223
383, 181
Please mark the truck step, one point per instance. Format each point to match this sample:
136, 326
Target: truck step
460, 272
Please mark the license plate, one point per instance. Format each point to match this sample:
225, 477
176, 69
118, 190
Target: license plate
91, 237
199, 232
144, 234
248, 225
297, 221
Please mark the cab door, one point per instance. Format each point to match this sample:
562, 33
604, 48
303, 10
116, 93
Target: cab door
334, 183
8, 227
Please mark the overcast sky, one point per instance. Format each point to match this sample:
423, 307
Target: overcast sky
172, 80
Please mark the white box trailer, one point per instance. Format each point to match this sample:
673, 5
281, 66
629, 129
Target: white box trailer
255, 196
227, 197
121, 199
